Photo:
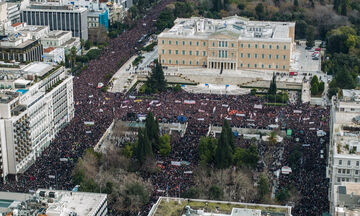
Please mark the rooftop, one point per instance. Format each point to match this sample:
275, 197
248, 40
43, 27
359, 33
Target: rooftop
351, 95
236, 27
7, 96
347, 201
80, 202
57, 34
179, 207
38, 68
54, 6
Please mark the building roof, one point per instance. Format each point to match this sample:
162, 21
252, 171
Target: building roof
177, 206
236, 27
38, 68
16, 24
49, 49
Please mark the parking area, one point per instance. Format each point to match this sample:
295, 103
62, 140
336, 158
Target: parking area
303, 60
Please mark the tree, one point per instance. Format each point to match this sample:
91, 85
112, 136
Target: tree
344, 5
310, 36
156, 82
260, 12
272, 88
165, 20
282, 195
263, 186
192, 193
88, 45
223, 154
152, 129
314, 89
314, 80
246, 157
207, 149
215, 193
183, 9
296, 3
300, 29
73, 56
321, 87
164, 145
82, 42
144, 149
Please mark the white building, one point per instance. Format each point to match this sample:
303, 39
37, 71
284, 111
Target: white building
61, 39
54, 203
34, 32
37, 101
54, 55
344, 149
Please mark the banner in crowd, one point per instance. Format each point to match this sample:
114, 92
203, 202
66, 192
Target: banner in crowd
257, 106
189, 102
175, 163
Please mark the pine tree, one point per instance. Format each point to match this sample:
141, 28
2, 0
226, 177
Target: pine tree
296, 3
156, 82
223, 155
152, 129
273, 88
144, 149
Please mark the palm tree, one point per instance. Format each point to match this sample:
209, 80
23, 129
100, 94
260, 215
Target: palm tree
272, 138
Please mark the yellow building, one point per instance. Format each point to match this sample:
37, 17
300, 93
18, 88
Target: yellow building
230, 43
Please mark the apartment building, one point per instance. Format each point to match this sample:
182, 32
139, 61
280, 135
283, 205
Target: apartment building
58, 17
230, 43
36, 101
344, 147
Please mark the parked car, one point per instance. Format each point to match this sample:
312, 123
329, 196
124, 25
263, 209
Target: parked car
308, 48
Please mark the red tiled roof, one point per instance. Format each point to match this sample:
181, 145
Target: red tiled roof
49, 49
16, 24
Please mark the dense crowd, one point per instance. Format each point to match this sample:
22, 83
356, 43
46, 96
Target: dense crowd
200, 110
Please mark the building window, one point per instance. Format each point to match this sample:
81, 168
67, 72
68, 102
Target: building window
169, 52
277, 56
183, 62
176, 42
183, 52
347, 171
204, 43
242, 45
356, 180
338, 179
357, 163
163, 51
190, 52
232, 44
349, 162
197, 43
249, 45
262, 66
190, 43
169, 61
213, 53
277, 66
340, 162
176, 52
269, 56
270, 46
277, 47
197, 62
204, 63
213, 44
204, 53
284, 47
284, 57
162, 42
197, 53
248, 65
284, 67
241, 55
183, 43
255, 55
269, 66
163, 61
226, 44
177, 62
356, 172
190, 62
255, 65
256, 46
344, 170
262, 56
339, 171
248, 55
219, 43
169, 42
263, 46
219, 54
232, 55
241, 65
